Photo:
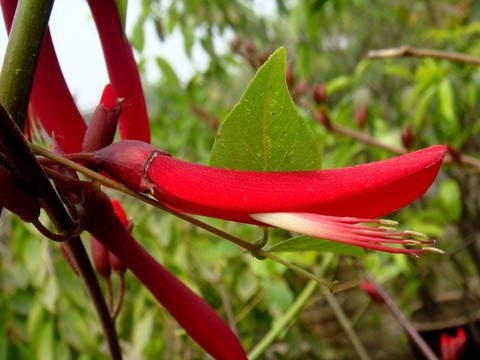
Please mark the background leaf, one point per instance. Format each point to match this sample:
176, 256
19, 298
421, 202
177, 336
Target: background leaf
264, 131
309, 243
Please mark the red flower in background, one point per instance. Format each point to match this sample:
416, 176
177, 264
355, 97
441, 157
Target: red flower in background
452, 347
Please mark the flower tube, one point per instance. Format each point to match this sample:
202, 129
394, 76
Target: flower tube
190, 310
324, 203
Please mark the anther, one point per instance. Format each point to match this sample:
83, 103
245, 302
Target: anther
388, 229
434, 250
388, 222
416, 234
412, 242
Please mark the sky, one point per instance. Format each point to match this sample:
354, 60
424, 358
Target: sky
79, 51
80, 55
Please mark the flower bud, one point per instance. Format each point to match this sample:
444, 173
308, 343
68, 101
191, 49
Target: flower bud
100, 257
454, 153
371, 290
117, 265
323, 119
289, 75
236, 44
263, 57
361, 115
250, 47
15, 197
103, 125
301, 88
319, 93
408, 137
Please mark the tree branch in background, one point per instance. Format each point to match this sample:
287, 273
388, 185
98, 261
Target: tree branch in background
407, 51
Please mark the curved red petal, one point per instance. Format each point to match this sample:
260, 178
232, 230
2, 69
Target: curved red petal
51, 99
16, 197
191, 311
122, 70
369, 190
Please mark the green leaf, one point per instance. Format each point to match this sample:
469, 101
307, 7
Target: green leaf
264, 131
142, 332
450, 199
167, 71
309, 243
338, 84
35, 320
447, 101
45, 342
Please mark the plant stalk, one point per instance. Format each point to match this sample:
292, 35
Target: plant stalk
23, 51
282, 323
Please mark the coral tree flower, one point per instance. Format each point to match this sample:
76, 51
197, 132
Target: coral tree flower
327, 204
197, 318
452, 347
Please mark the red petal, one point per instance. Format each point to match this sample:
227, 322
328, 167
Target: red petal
122, 70
109, 97
16, 197
369, 190
51, 99
120, 212
191, 311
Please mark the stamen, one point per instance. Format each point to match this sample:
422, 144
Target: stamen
387, 229
350, 231
416, 234
388, 222
434, 250
408, 242
414, 256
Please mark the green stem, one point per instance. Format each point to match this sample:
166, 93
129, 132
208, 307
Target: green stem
23, 51
290, 315
347, 326
299, 270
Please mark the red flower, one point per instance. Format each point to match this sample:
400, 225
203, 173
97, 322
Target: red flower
51, 100
122, 70
452, 347
324, 203
190, 310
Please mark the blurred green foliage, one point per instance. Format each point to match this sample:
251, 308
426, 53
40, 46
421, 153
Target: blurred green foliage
44, 310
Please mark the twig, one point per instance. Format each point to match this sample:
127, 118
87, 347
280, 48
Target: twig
16, 150
412, 332
347, 326
228, 308
407, 51
121, 295
282, 323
